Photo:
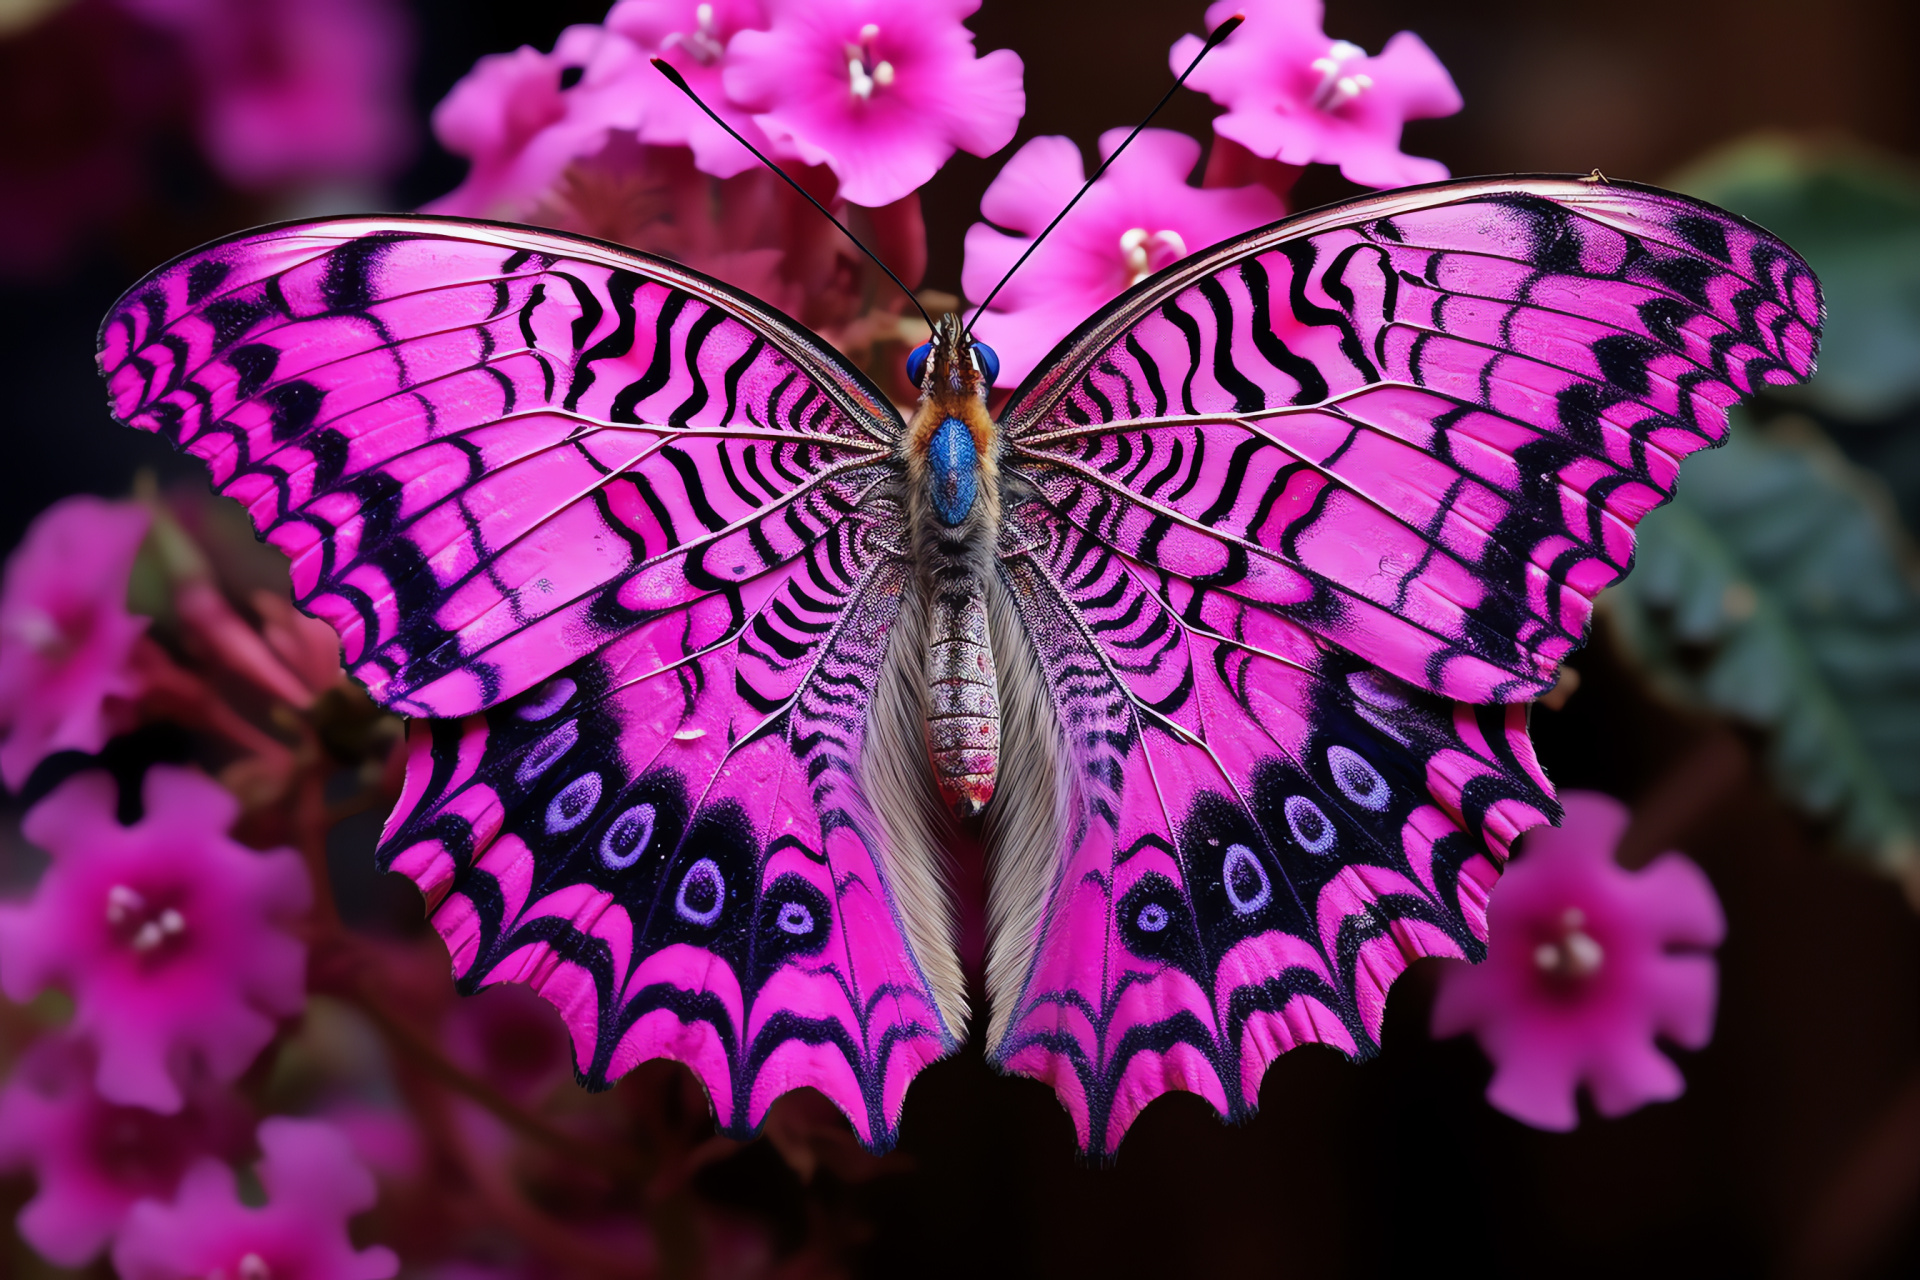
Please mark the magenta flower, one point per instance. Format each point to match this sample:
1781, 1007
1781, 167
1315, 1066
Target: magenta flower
879, 91
693, 35
1139, 217
523, 117
65, 633
1295, 96
1587, 962
171, 938
93, 1159
313, 1183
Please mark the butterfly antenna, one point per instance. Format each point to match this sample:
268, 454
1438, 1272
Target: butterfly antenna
1220, 33
666, 69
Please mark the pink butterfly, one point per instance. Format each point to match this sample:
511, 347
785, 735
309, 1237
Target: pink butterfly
1229, 623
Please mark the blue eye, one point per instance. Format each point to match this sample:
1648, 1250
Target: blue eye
989, 362
917, 362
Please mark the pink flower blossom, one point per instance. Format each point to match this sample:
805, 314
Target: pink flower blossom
1586, 964
65, 633
879, 91
1296, 96
296, 90
93, 1159
693, 35
523, 117
313, 1183
1138, 218
171, 938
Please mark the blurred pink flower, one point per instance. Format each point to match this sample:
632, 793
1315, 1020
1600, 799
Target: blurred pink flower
65, 633
1586, 964
93, 1159
309, 647
1296, 96
296, 90
523, 117
171, 937
385, 1139
313, 1183
879, 91
511, 1038
1138, 218
693, 35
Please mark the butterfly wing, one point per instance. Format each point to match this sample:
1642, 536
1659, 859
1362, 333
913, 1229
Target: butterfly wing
1310, 517
629, 538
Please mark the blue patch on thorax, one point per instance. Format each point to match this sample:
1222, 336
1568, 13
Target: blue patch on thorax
954, 463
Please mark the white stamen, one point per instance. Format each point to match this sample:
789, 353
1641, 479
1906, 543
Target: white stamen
123, 901
1583, 955
38, 631
864, 74
702, 42
1337, 88
172, 922
689, 735
147, 937
253, 1266
858, 77
1576, 954
1144, 252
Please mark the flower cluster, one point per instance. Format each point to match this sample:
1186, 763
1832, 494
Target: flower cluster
860, 101
1587, 962
1294, 97
179, 950
878, 92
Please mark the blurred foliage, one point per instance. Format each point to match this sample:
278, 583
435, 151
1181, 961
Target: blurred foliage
1777, 589
1854, 213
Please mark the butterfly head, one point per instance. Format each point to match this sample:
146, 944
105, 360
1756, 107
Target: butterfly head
951, 363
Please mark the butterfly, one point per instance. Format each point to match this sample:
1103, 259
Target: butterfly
1224, 631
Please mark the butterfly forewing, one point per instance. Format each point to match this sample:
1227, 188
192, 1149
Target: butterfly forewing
1302, 507
629, 537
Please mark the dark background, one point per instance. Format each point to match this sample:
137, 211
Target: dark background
1796, 1150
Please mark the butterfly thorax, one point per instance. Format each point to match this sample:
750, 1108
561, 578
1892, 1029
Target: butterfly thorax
951, 450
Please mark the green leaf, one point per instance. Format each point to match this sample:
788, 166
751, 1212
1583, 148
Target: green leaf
1776, 589
1854, 214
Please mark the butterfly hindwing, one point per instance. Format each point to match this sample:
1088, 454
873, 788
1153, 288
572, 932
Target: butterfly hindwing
629, 538
1309, 517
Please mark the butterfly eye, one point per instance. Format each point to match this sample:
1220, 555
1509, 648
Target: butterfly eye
988, 361
917, 362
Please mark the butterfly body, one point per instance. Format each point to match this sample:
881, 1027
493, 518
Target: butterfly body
951, 450
1226, 628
